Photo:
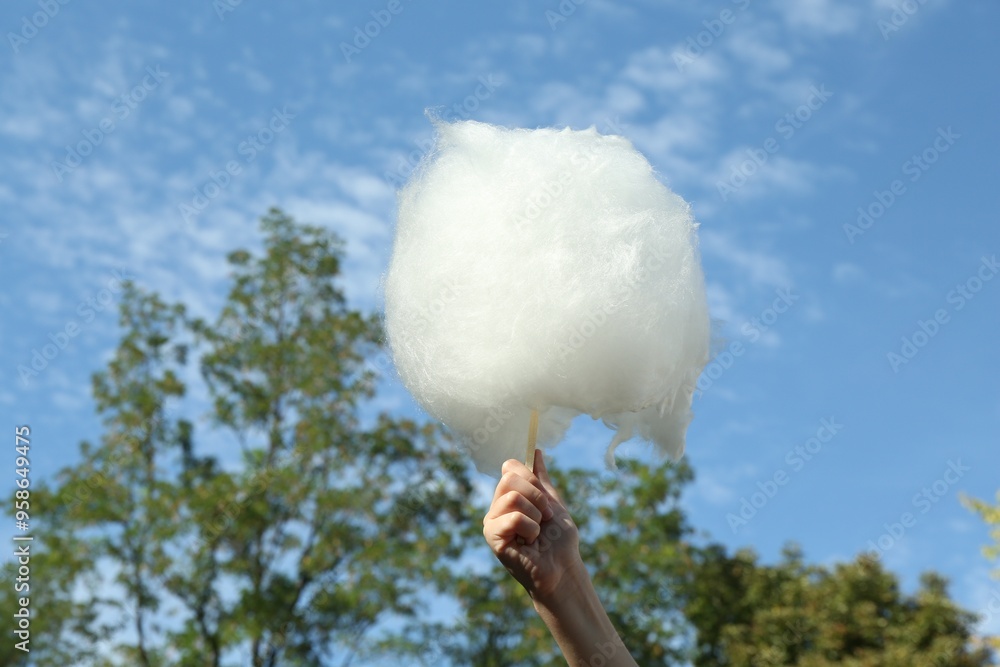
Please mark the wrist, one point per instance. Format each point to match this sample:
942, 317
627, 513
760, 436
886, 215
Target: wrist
575, 587
580, 625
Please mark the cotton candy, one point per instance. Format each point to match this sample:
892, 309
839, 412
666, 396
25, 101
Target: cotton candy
545, 269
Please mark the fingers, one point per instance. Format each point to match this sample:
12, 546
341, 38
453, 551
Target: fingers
517, 477
520, 505
514, 501
506, 528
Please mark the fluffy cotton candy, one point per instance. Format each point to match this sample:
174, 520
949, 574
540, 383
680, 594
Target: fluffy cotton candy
545, 269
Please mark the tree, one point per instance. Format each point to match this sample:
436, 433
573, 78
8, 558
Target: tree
991, 515
114, 512
746, 613
284, 532
675, 600
296, 525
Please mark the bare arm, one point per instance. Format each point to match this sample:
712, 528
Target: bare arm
532, 533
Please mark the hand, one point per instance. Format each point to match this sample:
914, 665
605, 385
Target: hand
531, 532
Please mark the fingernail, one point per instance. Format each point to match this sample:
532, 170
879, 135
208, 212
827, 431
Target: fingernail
547, 513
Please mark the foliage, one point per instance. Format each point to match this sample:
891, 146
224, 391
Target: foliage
746, 613
631, 528
991, 515
278, 534
296, 526
675, 601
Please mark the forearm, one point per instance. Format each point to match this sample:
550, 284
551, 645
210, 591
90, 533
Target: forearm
580, 625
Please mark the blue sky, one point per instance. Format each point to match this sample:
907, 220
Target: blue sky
841, 158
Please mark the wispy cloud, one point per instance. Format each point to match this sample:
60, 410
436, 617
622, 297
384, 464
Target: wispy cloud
825, 17
846, 273
762, 268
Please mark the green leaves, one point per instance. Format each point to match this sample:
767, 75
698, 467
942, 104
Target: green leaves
290, 525
991, 515
674, 601
278, 534
746, 613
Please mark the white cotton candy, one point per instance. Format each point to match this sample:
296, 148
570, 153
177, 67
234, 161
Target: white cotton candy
545, 269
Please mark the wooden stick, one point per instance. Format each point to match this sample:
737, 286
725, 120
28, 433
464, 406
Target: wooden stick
529, 459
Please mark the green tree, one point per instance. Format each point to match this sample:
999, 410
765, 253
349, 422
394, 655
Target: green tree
297, 525
282, 532
107, 522
675, 600
748, 614
991, 515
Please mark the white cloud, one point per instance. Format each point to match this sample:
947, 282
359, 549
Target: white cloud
671, 134
720, 302
361, 185
764, 57
814, 313
846, 273
70, 402
254, 78
761, 268
29, 110
780, 174
713, 490
368, 238
675, 114
717, 485
180, 108
980, 590
656, 69
826, 17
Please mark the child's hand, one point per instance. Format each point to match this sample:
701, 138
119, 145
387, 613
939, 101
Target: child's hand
531, 532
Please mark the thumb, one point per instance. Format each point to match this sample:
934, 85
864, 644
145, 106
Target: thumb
543, 475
